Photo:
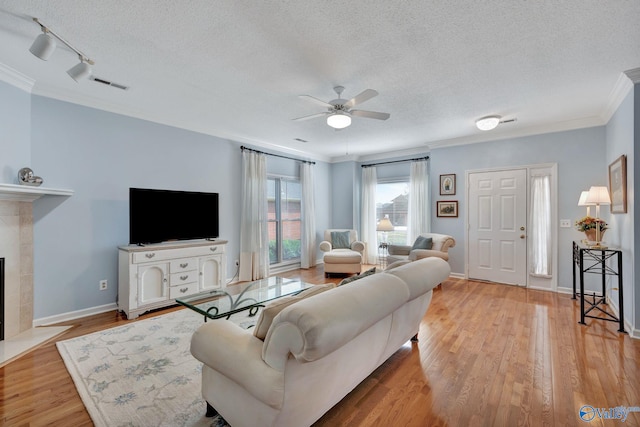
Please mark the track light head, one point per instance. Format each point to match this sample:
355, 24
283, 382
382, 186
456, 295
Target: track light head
43, 46
80, 71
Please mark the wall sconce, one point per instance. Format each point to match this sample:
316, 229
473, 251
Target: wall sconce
45, 44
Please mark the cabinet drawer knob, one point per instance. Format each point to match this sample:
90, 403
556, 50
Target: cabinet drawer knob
184, 265
213, 248
183, 290
184, 277
150, 255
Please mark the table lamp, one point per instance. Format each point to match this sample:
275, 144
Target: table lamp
598, 195
384, 225
583, 202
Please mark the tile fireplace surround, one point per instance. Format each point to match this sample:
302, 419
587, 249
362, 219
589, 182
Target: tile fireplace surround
16, 247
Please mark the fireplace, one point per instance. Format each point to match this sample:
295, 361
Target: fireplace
16, 249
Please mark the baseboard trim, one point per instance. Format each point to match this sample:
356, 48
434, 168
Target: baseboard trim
72, 315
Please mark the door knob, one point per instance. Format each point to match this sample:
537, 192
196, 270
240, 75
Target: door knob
522, 236
521, 228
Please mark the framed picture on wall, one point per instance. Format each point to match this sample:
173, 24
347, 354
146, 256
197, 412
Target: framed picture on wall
448, 184
618, 184
447, 208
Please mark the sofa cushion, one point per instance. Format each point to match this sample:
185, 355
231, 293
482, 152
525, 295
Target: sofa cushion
272, 308
422, 243
357, 276
340, 240
397, 264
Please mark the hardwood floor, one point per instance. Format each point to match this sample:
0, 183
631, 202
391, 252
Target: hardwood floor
489, 355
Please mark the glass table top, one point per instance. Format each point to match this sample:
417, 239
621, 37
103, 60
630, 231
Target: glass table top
219, 303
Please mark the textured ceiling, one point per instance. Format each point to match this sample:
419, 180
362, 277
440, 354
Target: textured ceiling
234, 69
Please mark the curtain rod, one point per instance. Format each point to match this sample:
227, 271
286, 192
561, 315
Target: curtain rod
396, 161
276, 155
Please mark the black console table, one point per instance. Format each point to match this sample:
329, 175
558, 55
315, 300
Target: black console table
594, 260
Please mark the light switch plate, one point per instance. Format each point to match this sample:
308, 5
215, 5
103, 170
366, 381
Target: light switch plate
565, 223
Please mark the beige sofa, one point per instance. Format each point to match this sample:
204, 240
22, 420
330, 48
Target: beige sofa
440, 248
316, 350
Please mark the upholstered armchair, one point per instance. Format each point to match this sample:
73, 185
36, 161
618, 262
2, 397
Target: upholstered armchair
427, 245
343, 251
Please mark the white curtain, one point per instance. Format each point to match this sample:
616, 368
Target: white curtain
419, 206
308, 244
369, 234
540, 227
254, 237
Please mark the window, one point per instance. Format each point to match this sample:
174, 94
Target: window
392, 200
283, 196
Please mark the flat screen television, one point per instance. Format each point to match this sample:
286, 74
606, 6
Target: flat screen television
164, 215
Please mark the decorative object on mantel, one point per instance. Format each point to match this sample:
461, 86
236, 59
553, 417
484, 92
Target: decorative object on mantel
26, 177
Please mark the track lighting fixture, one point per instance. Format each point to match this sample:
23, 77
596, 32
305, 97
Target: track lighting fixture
45, 44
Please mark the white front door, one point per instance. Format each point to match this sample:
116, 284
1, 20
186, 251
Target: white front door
497, 220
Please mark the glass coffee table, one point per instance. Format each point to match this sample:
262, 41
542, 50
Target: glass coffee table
219, 303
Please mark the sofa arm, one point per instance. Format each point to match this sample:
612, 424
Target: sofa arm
417, 254
357, 246
237, 354
325, 246
398, 250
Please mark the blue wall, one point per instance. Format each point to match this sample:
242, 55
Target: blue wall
15, 132
580, 156
100, 155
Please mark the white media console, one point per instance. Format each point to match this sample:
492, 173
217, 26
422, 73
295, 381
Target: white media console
153, 276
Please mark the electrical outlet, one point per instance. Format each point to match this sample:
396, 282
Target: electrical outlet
103, 285
237, 262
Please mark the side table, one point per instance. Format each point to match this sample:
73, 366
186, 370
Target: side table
594, 260
382, 254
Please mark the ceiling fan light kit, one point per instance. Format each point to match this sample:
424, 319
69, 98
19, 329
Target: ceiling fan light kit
339, 120
339, 111
488, 123
45, 44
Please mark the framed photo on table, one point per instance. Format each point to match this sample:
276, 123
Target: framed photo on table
618, 184
448, 184
447, 209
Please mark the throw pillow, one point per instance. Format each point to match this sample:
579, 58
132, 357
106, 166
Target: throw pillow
340, 240
271, 309
357, 276
422, 243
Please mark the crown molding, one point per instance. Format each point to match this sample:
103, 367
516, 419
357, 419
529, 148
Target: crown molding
619, 92
16, 78
634, 75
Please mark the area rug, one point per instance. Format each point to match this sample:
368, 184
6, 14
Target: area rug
142, 373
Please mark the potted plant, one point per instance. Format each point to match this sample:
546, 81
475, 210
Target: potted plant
588, 226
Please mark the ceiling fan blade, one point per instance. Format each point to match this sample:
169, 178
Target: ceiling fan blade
316, 101
370, 114
312, 116
365, 95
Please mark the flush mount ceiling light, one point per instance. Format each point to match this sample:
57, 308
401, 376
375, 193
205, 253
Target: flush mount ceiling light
45, 44
339, 120
488, 123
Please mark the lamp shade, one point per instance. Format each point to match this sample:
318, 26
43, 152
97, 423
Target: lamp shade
598, 195
43, 46
339, 120
583, 199
80, 71
384, 225
488, 123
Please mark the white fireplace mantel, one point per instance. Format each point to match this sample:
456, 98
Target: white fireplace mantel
25, 193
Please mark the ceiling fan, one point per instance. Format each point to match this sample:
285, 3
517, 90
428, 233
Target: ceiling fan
339, 111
